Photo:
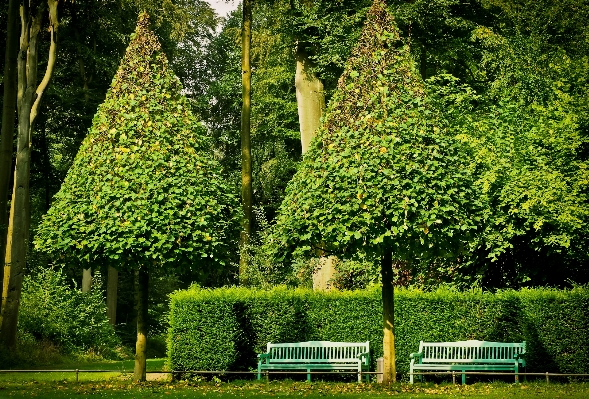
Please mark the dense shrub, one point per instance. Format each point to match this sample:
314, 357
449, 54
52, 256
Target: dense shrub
224, 329
52, 311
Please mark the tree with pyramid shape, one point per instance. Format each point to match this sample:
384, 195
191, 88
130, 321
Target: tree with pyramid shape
143, 192
382, 176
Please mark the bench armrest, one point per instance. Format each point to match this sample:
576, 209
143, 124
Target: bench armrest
364, 355
263, 356
520, 357
417, 355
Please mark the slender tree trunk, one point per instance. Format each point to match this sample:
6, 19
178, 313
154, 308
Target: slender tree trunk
246, 150
111, 294
141, 290
423, 62
388, 318
81, 64
310, 98
28, 99
45, 162
87, 280
8, 118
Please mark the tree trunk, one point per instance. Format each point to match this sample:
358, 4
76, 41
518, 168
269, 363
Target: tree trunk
310, 105
388, 318
8, 118
45, 162
246, 150
141, 290
87, 280
423, 62
28, 98
310, 98
111, 295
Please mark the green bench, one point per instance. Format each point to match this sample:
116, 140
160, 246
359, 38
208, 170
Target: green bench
316, 355
469, 355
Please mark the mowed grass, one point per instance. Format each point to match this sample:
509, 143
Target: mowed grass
117, 382
113, 369
123, 387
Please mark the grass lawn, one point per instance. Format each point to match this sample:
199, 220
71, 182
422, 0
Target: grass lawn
123, 387
113, 383
113, 369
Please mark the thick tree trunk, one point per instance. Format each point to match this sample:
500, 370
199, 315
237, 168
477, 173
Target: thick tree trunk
141, 290
8, 118
388, 318
28, 99
310, 105
310, 98
246, 150
111, 294
87, 280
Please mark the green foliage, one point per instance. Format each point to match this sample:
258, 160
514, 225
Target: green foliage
76, 322
274, 120
383, 173
528, 151
142, 189
223, 329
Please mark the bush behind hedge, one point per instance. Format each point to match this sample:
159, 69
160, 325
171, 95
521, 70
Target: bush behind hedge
224, 329
54, 312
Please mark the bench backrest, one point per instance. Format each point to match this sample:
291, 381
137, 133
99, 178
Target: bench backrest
316, 351
471, 351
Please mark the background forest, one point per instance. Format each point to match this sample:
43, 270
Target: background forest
510, 79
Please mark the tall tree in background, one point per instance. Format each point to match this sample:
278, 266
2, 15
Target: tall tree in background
30, 93
310, 98
246, 148
144, 194
383, 175
8, 118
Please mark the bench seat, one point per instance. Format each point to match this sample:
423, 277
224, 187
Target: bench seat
315, 356
471, 355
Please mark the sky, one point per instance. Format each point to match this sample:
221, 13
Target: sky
222, 7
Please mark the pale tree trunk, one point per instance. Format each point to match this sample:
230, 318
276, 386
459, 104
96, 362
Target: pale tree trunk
310, 105
141, 290
8, 117
111, 294
310, 98
87, 279
388, 318
28, 99
246, 150
323, 273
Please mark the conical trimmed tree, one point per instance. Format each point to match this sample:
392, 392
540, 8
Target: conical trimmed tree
143, 192
382, 175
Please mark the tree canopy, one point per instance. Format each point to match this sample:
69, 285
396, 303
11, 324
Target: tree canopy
144, 188
383, 174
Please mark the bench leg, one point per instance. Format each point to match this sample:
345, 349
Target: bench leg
259, 372
516, 372
308, 375
411, 376
463, 377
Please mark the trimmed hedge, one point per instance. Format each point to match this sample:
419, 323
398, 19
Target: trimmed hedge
224, 329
